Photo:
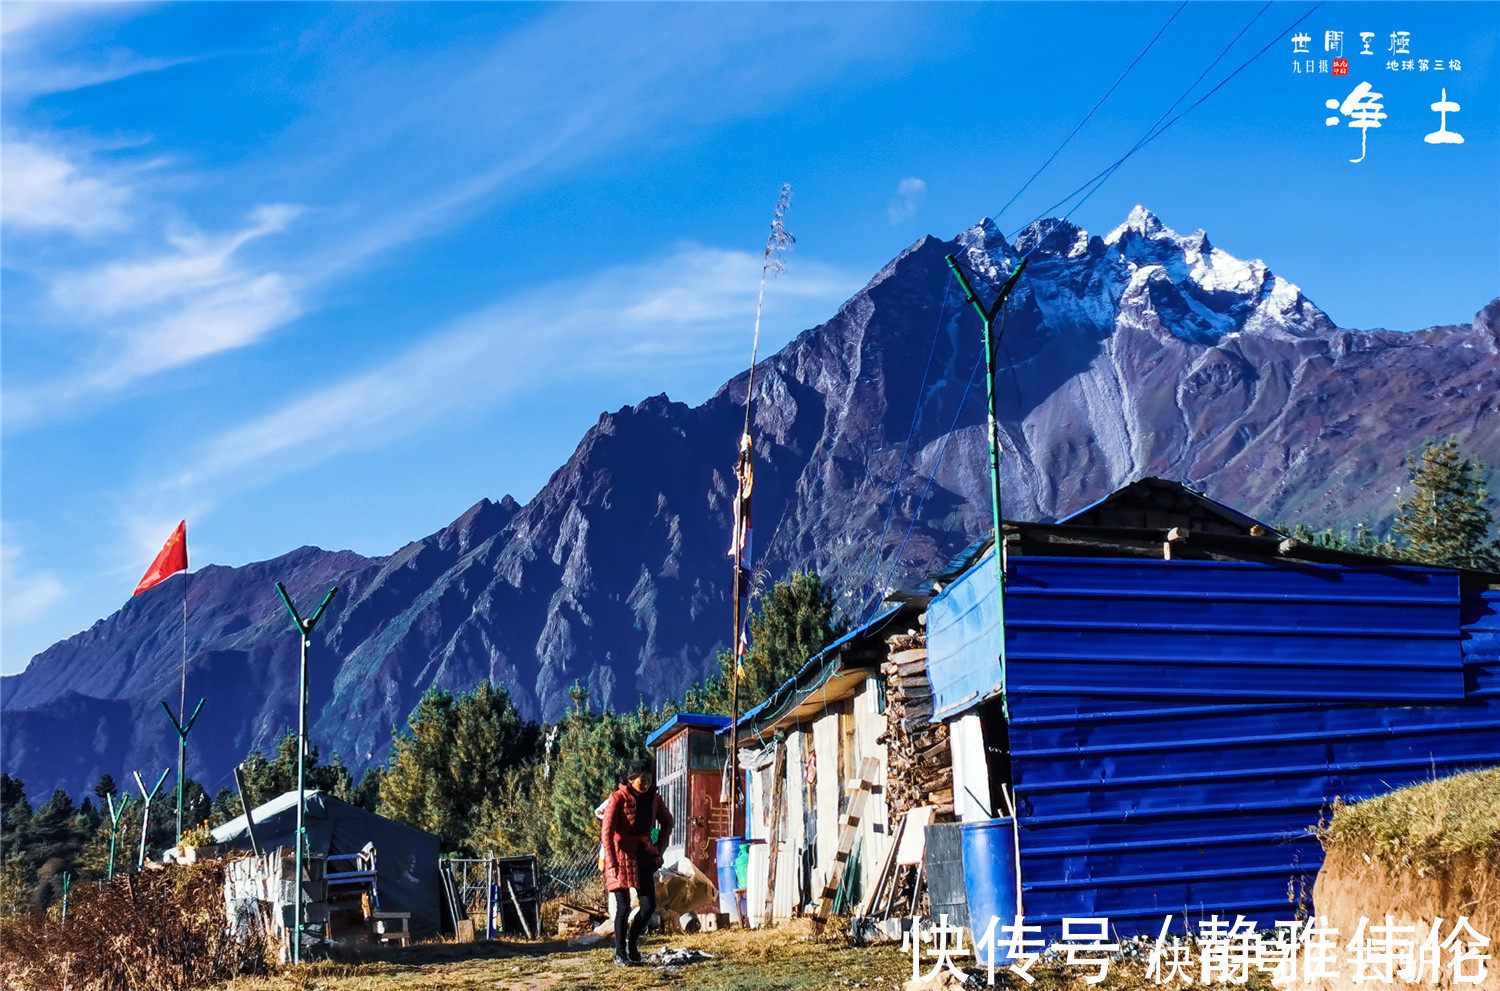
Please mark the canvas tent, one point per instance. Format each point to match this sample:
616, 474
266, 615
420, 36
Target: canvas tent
406, 859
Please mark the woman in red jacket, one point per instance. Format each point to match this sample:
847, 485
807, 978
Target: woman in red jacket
630, 856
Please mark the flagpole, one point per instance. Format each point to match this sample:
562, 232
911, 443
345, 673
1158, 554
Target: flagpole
182, 701
171, 559
779, 240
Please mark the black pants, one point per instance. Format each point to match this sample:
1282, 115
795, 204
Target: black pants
628, 934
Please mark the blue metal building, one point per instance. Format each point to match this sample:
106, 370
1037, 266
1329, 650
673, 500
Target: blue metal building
1186, 703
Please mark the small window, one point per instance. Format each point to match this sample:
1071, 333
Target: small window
706, 751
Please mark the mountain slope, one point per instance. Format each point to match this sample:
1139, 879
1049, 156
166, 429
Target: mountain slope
1141, 352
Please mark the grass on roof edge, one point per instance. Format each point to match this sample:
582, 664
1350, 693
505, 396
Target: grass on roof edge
1433, 824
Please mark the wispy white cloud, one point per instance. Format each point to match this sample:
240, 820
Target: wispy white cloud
46, 190
163, 312
35, 63
691, 308
509, 117
910, 194
551, 95
17, 20
26, 594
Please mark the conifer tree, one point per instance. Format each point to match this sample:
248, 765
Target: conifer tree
266, 778
1447, 520
794, 622
449, 765
593, 749
106, 787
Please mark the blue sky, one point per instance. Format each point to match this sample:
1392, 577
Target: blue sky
329, 274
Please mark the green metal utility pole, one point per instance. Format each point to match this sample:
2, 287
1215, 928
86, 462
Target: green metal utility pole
146, 798
114, 827
991, 342
182, 731
304, 632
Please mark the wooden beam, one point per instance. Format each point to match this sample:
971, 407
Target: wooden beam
773, 843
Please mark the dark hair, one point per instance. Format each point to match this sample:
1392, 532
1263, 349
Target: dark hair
640, 767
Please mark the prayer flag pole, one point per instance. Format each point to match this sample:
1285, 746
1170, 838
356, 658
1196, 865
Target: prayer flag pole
780, 240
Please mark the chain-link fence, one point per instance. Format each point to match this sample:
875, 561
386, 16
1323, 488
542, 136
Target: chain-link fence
563, 876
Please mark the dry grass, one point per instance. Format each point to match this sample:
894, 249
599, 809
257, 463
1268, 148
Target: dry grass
787, 958
155, 929
1429, 825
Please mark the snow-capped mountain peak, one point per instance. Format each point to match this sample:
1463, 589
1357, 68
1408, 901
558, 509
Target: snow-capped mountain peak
1143, 222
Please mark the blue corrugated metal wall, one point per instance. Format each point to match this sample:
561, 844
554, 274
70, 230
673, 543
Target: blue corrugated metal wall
1177, 726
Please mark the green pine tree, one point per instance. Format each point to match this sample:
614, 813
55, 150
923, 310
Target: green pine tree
794, 622
266, 778
593, 750
451, 762
1447, 520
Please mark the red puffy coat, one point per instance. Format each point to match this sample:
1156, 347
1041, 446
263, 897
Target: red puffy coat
628, 850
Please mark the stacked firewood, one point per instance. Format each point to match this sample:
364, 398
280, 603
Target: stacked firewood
920, 769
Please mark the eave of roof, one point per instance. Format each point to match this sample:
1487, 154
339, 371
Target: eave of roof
791, 696
686, 720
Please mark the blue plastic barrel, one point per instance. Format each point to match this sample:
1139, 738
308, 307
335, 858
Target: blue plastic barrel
728, 853
989, 880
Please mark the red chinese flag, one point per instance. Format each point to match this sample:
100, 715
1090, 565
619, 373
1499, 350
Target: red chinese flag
172, 559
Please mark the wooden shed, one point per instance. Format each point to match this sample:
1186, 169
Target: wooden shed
691, 754
803, 751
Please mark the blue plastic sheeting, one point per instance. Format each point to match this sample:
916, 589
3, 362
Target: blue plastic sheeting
963, 641
1178, 727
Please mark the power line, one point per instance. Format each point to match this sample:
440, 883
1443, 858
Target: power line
915, 416
1079, 126
942, 450
1158, 129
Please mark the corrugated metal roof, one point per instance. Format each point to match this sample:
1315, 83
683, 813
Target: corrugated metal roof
813, 672
1177, 727
1128, 492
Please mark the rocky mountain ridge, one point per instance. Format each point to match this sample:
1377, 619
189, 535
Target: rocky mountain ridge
1140, 352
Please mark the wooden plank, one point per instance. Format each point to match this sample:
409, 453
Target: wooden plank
872, 902
848, 834
516, 904
773, 844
